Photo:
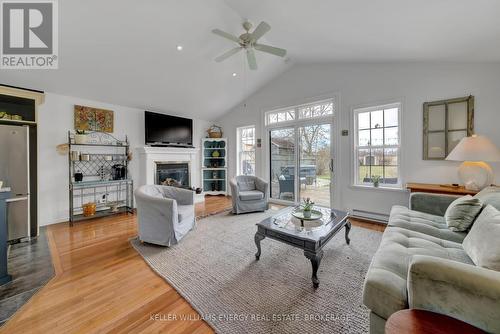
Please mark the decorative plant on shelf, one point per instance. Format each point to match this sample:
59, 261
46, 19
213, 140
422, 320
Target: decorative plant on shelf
307, 206
376, 180
80, 137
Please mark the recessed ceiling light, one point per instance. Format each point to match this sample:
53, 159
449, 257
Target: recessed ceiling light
179, 47
234, 74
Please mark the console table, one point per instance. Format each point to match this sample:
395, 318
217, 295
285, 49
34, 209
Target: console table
4, 275
446, 189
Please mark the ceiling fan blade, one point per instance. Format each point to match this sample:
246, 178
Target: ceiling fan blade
261, 29
252, 62
228, 54
270, 49
226, 35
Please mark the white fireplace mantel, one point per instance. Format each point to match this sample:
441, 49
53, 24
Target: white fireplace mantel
167, 150
149, 156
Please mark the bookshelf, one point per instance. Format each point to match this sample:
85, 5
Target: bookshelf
214, 166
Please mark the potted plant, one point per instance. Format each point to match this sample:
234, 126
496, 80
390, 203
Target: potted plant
307, 207
376, 180
80, 137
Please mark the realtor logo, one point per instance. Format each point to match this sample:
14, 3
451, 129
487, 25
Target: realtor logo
29, 34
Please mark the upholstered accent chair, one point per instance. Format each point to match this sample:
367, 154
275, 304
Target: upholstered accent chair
164, 214
249, 194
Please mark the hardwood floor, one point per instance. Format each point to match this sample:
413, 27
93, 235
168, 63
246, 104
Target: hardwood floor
103, 285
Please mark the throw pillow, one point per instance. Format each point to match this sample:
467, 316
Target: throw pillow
482, 243
490, 195
461, 213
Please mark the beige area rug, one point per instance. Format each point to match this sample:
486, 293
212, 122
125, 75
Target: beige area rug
215, 270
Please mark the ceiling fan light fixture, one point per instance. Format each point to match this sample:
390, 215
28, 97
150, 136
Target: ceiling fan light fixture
248, 41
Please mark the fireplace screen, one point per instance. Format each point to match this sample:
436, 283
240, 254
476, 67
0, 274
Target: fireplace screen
173, 174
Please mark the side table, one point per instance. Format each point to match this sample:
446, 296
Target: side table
426, 322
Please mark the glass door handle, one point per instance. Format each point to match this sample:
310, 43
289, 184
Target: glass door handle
331, 165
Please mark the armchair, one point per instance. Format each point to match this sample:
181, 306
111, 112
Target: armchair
164, 214
249, 194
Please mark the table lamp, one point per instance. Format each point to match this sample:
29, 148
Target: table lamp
473, 151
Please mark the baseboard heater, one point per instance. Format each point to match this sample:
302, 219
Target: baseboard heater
369, 215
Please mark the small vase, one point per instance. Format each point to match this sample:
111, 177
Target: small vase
80, 139
375, 184
307, 214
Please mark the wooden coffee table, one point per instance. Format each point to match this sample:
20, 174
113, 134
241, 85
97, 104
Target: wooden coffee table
280, 227
426, 322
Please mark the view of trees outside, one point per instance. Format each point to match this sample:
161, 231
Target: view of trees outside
246, 150
378, 145
282, 143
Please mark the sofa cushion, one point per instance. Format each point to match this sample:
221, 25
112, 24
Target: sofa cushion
185, 212
490, 196
462, 212
251, 195
385, 290
423, 222
482, 243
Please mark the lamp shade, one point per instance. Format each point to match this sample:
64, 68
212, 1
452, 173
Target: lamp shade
474, 148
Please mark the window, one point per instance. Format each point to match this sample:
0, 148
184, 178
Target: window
377, 146
306, 111
280, 116
246, 150
316, 110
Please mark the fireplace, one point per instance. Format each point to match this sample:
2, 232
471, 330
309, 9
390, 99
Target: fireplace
173, 173
156, 163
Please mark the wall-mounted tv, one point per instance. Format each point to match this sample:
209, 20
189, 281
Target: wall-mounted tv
166, 130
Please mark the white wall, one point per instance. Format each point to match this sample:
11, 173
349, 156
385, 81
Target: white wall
359, 84
55, 118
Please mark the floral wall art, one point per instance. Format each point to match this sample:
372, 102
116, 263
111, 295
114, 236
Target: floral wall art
93, 119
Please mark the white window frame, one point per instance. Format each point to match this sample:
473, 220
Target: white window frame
356, 147
296, 116
332, 118
238, 148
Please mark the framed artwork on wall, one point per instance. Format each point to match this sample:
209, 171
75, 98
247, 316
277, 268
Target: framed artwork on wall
93, 119
446, 122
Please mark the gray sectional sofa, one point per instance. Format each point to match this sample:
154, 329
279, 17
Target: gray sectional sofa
421, 264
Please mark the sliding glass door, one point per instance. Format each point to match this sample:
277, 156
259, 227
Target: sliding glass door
300, 158
282, 163
315, 163
308, 150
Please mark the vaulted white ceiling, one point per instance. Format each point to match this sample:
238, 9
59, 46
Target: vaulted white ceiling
124, 51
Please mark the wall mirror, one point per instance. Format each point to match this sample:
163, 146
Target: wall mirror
446, 122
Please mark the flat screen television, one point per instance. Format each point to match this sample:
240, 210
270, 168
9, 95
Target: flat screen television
166, 130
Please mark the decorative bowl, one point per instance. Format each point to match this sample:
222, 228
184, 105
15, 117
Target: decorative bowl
315, 215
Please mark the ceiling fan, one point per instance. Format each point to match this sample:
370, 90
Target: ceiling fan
248, 42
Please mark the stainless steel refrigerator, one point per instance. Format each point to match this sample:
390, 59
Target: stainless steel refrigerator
14, 172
